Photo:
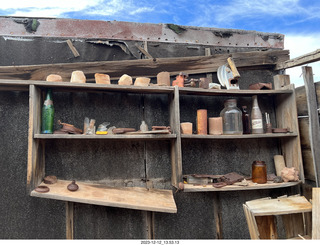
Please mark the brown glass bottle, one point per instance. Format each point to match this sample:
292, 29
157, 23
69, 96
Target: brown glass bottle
246, 120
259, 172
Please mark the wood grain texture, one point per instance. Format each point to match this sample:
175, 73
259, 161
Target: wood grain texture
279, 206
314, 134
234, 187
301, 60
129, 197
315, 213
145, 67
286, 117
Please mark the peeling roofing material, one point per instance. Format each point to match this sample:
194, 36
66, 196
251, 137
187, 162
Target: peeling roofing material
130, 31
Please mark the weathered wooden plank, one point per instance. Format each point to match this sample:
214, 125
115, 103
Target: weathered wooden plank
286, 115
69, 220
235, 187
315, 213
35, 167
252, 224
217, 215
279, 206
301, 60
145, 67
301, 98
314, 134
127, 197
176, 152
267, 227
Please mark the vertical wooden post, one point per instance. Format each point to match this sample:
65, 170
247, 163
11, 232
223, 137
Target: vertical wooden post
315, 213
314, 133
69, 220
36, 157
209, 75
150, 224
217, 215
176, 154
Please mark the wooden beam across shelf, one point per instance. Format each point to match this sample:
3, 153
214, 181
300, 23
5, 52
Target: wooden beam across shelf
107, 137
235, 187
139, 198
146, 67
243, 136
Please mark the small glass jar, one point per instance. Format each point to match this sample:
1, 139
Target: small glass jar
232, 118
259, 172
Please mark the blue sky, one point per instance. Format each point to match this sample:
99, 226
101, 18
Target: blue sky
299, 20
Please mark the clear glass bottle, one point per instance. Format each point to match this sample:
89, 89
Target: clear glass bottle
231, 118
256, 117
47, 114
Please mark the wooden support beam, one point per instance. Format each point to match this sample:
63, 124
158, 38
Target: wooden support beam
146, 67
315, 213
217, 215
69, 220
301, 60
314, 133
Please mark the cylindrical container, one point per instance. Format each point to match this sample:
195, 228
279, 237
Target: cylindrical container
47, 114
259, 172
231, 118
256, 117
279, 164
246, 120
215, 125
202, 122
186, 128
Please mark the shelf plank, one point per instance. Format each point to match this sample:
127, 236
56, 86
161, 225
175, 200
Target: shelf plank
244, 136
234, 187
123, 197
279, 206
231, 92
107, 137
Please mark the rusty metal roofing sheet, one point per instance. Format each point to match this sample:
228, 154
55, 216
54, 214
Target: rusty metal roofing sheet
165, 33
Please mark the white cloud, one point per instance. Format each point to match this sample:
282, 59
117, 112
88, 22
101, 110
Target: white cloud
300, 45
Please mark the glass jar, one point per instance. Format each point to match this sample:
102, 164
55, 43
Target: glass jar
231, 118
259, 172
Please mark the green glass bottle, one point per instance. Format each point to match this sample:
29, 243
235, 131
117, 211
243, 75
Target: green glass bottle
47, 114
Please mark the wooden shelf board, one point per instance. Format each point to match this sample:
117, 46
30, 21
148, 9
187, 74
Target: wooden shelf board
107, 137
234, 92
87, 87
234, 187
123, 197
279, 206
244, 136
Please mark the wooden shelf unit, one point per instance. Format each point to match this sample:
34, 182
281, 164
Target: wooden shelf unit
131, 198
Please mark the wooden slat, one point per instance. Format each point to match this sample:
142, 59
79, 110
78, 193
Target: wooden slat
315, 213
251, 221
217, 213
35, 167
235, 187
244, 136
279, 206
145, 67
294, 225
127, 197
176, 152
286, 117
267, 227
69, 220
107, 137
301, 97
301, 60
314, 134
